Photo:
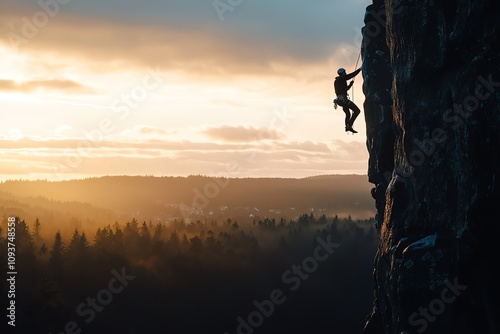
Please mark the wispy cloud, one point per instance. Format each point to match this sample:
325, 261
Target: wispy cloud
265, 158
53, 85
149, 130
242, 133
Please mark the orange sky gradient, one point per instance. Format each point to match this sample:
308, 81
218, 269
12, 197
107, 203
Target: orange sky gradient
168, 88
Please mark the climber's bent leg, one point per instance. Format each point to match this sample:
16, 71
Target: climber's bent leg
347, 116
355, 112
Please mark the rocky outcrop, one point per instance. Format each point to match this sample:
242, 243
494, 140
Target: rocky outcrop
432, 85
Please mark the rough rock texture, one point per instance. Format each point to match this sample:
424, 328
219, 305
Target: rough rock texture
432, 84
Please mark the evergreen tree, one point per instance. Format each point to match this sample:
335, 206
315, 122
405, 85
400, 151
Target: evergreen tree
145, 234
174, 243
74, 244
84, 243
24, 241
36, 231
117, 242
144, 241
57, 256
157, 240
78, 246
158, 232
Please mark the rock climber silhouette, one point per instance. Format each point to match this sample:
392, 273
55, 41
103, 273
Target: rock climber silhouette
341, 88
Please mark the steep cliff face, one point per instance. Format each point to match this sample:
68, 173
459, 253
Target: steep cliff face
432, 87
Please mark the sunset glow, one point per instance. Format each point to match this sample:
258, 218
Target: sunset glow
88, 89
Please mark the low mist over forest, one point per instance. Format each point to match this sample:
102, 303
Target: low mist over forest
179, 255
86, 203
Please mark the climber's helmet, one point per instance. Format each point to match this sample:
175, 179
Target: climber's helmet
341, 71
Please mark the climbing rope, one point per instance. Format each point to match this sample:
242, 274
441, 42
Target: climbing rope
354, 79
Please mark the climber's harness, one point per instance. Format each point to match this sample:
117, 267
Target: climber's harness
341, 100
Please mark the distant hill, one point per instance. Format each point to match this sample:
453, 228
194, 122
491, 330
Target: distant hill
195, 197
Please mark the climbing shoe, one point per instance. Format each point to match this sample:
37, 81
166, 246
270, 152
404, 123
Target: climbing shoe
349, 128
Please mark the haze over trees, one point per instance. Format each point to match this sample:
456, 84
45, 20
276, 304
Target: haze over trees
88, 203
94, 268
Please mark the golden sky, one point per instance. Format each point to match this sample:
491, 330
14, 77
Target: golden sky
91, 88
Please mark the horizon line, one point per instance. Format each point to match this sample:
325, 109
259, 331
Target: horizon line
181, 176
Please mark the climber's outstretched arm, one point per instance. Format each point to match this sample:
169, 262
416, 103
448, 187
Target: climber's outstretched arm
353, 74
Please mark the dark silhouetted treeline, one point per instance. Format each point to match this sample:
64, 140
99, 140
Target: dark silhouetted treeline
200, 277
